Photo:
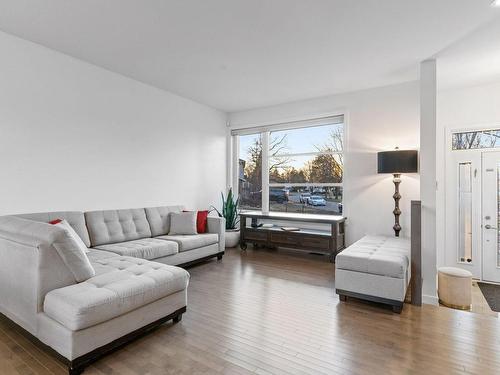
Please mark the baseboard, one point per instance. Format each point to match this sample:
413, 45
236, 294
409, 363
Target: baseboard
430, 300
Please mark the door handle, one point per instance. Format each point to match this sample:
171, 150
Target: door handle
488, 226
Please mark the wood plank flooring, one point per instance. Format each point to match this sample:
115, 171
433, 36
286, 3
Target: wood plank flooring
268, 312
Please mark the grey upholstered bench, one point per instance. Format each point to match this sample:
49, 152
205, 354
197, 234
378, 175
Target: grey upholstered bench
375, 268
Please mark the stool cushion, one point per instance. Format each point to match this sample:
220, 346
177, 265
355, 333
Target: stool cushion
455, 272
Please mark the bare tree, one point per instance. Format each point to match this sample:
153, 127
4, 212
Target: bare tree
253, 170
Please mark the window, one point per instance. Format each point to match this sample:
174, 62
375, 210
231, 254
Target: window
476, 139
299, 166
250, 171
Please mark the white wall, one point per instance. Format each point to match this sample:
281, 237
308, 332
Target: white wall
377, 119
78, 137
428, 120
466, 107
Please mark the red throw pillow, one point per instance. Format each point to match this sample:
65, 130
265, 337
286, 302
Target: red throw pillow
201, 221
56, 221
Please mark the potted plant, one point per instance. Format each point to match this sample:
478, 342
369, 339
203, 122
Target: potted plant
230, 213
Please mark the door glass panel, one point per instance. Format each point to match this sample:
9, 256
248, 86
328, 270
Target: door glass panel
465, 212
498, 215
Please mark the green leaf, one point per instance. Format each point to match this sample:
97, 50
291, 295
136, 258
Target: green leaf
229, 209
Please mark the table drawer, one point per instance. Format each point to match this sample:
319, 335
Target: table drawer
255, 235
285, 238
313, 243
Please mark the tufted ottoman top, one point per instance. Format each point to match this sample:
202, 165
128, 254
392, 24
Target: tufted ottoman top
122, 285
378, 255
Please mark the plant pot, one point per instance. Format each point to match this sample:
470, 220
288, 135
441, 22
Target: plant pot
232, 237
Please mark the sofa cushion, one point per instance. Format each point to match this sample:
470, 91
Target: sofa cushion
75, 218
66, 226
145, 248
183, 223
378, 255
73, 255
159, 218
133, 283
114, 226
192, 241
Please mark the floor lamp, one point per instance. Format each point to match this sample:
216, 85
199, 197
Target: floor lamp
397, 162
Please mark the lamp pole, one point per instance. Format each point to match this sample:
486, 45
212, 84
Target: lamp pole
397, 197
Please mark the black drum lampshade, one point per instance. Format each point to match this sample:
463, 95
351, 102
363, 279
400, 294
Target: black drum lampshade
398, 161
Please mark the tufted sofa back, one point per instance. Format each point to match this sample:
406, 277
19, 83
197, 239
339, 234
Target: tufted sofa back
159, 218
75, 218
112, 226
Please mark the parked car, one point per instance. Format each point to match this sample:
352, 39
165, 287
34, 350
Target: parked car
275, 195
304, 197
316, 200
278, 195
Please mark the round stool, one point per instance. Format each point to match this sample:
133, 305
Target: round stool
454, 287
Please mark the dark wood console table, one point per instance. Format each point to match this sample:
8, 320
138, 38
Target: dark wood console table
329, 242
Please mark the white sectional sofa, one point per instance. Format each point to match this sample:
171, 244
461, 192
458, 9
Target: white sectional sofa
142, 233
375, 268
133, 289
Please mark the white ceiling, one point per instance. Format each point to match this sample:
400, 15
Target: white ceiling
473, 60
241, 54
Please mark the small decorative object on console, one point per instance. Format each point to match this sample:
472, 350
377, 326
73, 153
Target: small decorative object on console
290, 229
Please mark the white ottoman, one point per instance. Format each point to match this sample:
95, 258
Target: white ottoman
375, 268
454, 287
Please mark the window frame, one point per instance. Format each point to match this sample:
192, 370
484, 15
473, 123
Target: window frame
265, 131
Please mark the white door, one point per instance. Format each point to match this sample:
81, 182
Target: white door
491, 216
463, 211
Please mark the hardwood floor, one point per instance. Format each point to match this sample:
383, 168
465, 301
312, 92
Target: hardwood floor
268, 312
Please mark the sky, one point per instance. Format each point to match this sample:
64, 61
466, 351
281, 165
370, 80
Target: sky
297, 141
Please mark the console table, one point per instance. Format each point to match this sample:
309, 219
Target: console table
329, 242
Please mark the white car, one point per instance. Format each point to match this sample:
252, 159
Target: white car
316, 200
304, 197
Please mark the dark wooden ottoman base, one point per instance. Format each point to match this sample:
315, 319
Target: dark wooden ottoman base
397, 306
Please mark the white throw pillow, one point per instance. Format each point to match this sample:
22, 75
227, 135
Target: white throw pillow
183, 223
66, 226
73, 254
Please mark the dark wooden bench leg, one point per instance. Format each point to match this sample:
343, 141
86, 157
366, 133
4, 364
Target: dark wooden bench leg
177, 318
342, 297
397, 308
75, 370
219, 256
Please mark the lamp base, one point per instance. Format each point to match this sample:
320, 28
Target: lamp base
397, 197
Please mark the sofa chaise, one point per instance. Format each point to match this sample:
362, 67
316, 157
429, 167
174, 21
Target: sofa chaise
134, 285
